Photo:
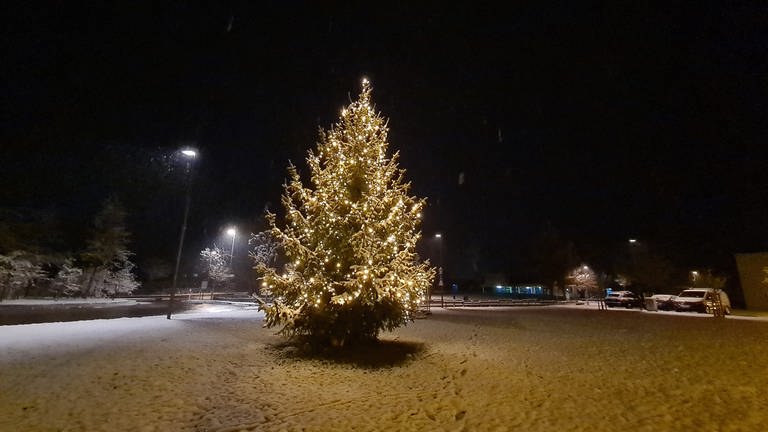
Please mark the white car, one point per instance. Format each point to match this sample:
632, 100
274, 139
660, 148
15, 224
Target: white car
701, 300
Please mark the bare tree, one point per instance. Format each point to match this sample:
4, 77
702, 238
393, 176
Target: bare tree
584, 280
215, 265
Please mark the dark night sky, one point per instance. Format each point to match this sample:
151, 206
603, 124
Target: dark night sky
609, 121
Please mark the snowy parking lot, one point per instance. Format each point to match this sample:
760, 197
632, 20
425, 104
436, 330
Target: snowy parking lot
533, 368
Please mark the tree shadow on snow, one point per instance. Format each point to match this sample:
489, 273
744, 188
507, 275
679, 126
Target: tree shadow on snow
371, 355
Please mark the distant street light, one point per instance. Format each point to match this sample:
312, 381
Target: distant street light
694, 277
190, 155
633, 240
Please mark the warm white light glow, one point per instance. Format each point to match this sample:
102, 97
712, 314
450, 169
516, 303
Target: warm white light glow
438, 235
633, 240
189, 153
231, 232
357, 197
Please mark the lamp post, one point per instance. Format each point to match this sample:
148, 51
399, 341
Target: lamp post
189, 155
633, 250
232, 232
439, 239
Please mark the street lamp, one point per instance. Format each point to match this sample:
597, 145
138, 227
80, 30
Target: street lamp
190, 155
232, 232
439, 239
694, 277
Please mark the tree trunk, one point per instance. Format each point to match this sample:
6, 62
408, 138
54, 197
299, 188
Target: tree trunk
90, 283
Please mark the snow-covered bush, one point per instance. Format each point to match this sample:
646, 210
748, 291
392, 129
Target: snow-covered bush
18, 272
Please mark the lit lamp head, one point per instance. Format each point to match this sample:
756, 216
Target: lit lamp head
189, 153
231, 232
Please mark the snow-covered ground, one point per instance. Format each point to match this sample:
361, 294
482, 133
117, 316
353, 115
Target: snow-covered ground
483, 369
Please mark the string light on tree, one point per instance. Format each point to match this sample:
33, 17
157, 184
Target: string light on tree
350, 236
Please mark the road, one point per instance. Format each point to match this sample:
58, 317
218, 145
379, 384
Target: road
11, 314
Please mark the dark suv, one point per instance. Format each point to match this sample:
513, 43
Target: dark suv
625, 299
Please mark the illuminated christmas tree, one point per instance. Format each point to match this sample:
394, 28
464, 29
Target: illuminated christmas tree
349, 238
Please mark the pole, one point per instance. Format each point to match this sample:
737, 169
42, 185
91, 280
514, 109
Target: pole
181, 241
440, 272
232, 251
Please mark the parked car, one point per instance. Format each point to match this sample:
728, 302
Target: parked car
701, 300
626, 299
664, 302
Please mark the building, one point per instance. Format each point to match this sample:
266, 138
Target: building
753, 275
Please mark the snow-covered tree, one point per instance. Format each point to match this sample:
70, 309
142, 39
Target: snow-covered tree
350, 238
584, 280
18, 271
265, 252
119, 280
264, 248
215, 265
68, 279
107, 258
